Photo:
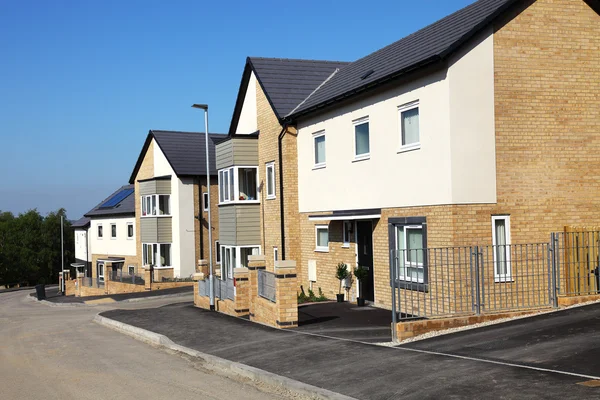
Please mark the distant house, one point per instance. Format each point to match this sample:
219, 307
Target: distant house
171, 202
83, 254
481, 128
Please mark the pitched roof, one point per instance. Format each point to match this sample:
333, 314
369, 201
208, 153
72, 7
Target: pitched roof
81, 223
428, 45
185, 151
126, 205
286, 82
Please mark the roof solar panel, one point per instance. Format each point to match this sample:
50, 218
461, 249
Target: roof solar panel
117, 198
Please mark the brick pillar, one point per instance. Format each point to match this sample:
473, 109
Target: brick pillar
254, 264
202, 267
286, 284
147, 278
79, 282
199, 301
242, 291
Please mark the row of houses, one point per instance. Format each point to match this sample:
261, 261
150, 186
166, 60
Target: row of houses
480, 129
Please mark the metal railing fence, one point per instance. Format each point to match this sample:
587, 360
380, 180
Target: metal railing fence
438, 282
93, 282
266, 285
119, 276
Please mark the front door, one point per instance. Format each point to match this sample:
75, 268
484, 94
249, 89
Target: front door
364, 244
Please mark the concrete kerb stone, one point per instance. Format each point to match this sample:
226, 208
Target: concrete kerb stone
221, 365
134, 300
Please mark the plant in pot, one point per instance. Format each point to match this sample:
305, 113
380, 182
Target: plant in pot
341, 273
361, 274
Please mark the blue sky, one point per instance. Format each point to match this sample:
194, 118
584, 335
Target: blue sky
82, 81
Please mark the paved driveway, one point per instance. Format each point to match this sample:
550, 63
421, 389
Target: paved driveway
568, 340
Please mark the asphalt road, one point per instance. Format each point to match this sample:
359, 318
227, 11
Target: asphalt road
59, 353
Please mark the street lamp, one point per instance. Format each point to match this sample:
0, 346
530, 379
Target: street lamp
211, 283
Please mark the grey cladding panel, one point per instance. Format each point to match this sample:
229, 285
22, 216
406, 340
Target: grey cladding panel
224, 154
165, 229
149, 230
245, 152
248, 224
148, 187
163, 186
227, 225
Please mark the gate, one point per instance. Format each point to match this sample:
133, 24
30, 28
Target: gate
577, 260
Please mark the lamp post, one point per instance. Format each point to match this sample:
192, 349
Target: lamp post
62, 255
211, 283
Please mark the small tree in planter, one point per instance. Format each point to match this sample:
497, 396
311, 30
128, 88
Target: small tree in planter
341, 273
361, 274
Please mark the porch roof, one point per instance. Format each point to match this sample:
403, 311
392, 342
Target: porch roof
348, 215
112, 259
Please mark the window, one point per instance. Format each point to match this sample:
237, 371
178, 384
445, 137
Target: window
347, 229
156, 204
100, 234
131, 270
322, 237
113, 231
361, 139
100, 270
409, 126
319, 143
205, 201
238, 184
157, 254
129, 230
409, 245
218, 252
501, 245
271, 180
235, 257
275, 254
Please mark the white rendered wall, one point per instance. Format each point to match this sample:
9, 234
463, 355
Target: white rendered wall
106, 246
186, 233
248, 118
81, 245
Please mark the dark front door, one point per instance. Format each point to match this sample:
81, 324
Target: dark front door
364, 244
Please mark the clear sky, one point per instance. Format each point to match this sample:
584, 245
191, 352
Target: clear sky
82, 81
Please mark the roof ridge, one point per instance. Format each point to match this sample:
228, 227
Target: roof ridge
190, 132
298, 59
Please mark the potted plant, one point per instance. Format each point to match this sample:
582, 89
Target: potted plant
361, 274
341, 273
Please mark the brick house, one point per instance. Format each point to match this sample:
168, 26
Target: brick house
171, 200
481, 128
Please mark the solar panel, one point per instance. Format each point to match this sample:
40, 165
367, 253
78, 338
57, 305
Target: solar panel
117, 198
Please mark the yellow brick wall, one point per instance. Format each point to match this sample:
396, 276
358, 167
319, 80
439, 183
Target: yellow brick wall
146, 171
129, 260
214, 201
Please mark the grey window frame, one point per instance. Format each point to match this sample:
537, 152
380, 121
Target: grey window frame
393, 223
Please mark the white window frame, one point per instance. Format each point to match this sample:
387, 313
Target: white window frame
227, 269
275, 254
131, 268
347, 227
270, 165
409, 264
401, 109
156, 256
321, 249
100, 277
99, 231
205, 201
111, 231
355, 123
154, 207
233, 188
130, 224
508, 276
317, 135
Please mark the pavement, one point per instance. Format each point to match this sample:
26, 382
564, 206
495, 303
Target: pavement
57, 353
367, 371
346, 320
53, 296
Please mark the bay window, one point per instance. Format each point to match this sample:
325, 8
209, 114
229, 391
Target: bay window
235, 257
238, 184
409, 246
156, 204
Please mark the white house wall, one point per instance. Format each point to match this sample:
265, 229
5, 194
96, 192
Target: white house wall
121, 246
248, 117
472, 123
454, 164
81, 245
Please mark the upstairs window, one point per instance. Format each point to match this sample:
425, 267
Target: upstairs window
362, 146
129, 230
409, 126
319, 143
270, 180
205, 201
100, 232
156, 204
113, 231
238, 184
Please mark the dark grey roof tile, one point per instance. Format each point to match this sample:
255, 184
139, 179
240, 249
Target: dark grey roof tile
124, 207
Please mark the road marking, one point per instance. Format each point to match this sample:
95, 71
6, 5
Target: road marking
436, 353
100, 301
